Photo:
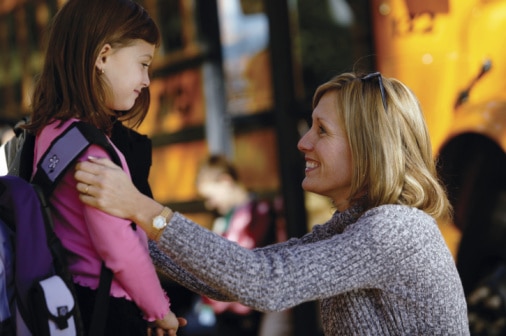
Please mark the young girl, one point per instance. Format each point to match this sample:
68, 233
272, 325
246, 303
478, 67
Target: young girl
96, 71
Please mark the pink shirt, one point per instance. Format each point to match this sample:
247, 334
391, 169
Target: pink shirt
92, 236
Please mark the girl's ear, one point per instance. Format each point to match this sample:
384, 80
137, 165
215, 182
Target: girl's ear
101, 61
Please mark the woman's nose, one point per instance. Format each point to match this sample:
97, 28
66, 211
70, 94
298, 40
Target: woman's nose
304, 143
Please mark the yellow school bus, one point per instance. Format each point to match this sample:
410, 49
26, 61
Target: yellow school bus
452, 53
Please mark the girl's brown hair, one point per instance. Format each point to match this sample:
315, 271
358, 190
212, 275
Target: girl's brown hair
69, 85
391, 148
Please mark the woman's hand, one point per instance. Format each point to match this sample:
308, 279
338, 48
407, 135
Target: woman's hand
105, 186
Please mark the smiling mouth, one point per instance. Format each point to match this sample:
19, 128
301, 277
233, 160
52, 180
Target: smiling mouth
311, 165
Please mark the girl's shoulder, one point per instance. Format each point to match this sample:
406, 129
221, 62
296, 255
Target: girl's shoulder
55, 128
48, 133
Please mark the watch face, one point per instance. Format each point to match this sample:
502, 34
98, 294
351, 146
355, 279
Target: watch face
159, 222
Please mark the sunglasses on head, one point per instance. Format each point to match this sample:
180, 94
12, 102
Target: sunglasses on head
382, 88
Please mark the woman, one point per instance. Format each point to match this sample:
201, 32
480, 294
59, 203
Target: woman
96, 71
379, 266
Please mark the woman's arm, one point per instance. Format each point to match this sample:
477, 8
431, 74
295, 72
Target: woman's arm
275, 277
168, 268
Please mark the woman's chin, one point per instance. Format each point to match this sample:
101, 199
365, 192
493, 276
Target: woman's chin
307, 186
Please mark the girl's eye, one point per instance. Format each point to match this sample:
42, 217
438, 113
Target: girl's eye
145, 65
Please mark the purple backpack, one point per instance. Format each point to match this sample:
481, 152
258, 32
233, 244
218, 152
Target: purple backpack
44, 296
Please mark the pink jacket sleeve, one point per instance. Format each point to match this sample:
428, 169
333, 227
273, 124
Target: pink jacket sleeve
125, 252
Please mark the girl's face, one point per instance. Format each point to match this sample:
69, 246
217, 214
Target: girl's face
125, 70
327, 154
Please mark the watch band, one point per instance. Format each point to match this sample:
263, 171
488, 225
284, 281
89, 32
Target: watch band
158, 233
165, 213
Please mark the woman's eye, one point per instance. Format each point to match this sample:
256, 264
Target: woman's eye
145, 65
321, 130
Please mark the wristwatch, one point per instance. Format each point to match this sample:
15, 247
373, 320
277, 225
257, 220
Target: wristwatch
160, 222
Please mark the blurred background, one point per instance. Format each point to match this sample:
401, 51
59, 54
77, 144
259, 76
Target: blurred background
237, 76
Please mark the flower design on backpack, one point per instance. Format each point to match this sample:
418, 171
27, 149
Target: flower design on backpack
53, 161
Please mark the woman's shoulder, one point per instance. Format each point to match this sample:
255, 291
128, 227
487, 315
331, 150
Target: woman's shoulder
397, 211
397, 226
394, 219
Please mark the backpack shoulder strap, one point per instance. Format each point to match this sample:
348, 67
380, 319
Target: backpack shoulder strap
65, 149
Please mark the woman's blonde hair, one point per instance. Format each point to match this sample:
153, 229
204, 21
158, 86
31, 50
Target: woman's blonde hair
391, 148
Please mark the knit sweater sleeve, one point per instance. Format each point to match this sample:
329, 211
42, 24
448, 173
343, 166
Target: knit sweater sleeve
166, 267
319, 265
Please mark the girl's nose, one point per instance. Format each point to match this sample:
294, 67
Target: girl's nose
146, 81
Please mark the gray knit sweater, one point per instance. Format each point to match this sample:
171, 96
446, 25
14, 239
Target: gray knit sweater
386, 272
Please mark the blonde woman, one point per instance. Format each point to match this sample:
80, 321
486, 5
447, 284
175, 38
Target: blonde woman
379, 265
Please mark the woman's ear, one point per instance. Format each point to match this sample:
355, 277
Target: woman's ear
101, 61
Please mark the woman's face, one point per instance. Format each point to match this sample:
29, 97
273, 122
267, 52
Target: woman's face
126, 72
327, 154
